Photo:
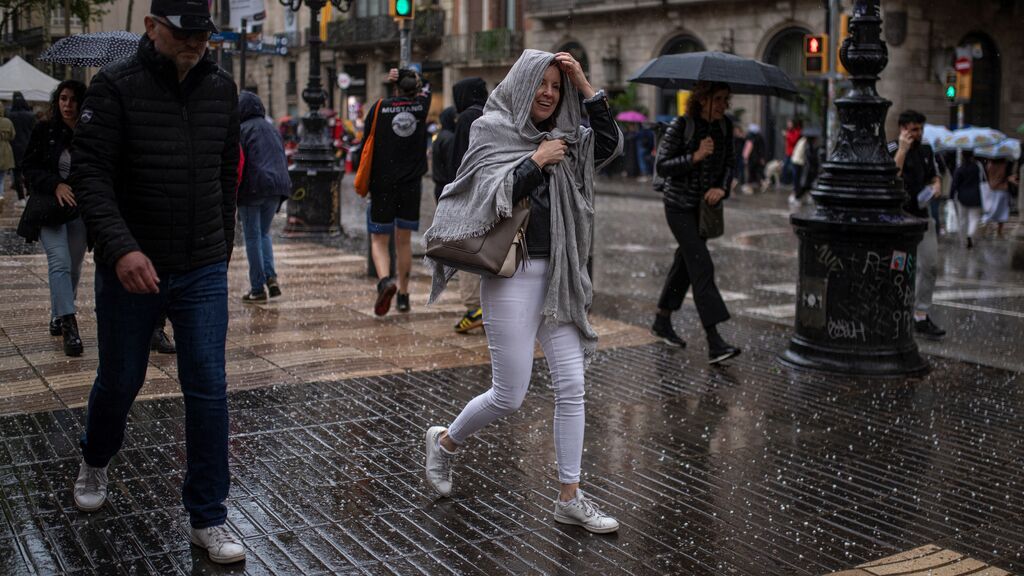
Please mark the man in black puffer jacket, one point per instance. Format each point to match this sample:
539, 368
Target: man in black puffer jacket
154, 167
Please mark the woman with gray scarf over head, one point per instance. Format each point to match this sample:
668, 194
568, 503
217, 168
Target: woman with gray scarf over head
529, 144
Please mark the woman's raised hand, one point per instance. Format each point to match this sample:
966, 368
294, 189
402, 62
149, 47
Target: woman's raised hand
574, 71
549, 152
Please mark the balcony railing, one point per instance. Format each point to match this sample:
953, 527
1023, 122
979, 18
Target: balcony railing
564, 5
489, 47
428, 31
28, 36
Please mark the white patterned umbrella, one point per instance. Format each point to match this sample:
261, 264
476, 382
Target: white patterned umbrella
934, 133
93, 49
971, 138
1008, 149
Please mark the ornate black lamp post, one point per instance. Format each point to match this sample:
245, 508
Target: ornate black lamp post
315, 204
858, 248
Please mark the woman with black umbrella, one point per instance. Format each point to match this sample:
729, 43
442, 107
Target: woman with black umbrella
696, 159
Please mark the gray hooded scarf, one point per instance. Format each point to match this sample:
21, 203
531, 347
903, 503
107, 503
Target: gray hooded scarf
481, 194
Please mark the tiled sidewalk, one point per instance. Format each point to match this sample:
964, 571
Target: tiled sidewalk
322, 328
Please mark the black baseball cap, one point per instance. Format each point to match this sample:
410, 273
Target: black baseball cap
184, 14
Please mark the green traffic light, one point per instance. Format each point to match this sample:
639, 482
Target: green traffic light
403, 7
951, 92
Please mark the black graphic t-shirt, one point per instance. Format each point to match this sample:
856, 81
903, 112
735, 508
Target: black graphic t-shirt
400, 149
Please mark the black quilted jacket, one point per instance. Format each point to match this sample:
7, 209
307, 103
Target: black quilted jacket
685, 181
155, 161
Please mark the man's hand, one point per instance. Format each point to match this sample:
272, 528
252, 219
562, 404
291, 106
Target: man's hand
707, 148
64, 195
136, 273
906, 140
393, 75
714, 196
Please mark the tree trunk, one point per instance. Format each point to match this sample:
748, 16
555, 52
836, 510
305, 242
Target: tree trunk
128, 21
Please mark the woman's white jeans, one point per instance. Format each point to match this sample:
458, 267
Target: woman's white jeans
970, 216
513, 321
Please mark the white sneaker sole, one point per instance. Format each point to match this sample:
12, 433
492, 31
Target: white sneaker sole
573, 522
90, 508
723, 357
219, 559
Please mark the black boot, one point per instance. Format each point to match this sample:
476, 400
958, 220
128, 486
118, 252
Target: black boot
55, 327
161, 343
72, 341
718, 349
662, 328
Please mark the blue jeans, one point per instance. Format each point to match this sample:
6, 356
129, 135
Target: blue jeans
196, 303
256, 220
65, 250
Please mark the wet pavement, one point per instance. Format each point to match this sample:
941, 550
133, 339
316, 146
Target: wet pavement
751, 469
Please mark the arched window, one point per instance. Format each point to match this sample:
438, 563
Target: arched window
577, 51
785, 50
667, 102
986, 82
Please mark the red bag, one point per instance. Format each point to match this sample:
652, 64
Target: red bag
362, 182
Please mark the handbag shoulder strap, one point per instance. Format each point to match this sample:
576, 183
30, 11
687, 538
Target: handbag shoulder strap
376, 114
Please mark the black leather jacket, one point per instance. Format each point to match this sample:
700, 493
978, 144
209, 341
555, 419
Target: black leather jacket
686, 182
530, 180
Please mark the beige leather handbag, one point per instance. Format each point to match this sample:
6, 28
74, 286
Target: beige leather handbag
499, 252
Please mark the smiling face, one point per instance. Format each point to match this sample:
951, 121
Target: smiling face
184, 47
545, 99
68, 105
716, 105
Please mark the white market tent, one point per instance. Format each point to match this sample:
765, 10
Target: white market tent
18, 75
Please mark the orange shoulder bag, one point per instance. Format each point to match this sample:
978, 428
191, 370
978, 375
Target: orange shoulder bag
362, 182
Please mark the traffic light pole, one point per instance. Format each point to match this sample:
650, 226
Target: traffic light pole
831, 120
405, 43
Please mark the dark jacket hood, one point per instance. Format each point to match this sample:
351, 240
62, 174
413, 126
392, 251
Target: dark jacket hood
447, 118
469, 91
18, 102
250, 106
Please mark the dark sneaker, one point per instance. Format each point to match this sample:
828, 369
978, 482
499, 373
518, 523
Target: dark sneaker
254, 297
928, 329
402, 303
161, 343
662, 328
970, 243
386, 289
722, 353
273, 288
55, 329
470, 320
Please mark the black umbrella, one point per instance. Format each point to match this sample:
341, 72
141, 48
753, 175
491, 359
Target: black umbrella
94, 49
743, 75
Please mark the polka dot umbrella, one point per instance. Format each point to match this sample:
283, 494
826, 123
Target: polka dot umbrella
93, 49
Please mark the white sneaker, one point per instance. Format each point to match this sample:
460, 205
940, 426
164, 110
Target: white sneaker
90, 488
582, 512
223, 546
439, 463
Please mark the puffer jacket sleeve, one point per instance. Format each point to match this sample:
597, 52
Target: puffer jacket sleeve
229, 172
36, 164
97, 143
673, 161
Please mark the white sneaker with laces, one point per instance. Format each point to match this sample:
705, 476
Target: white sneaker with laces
90, 488
222, 545
582, 512
439, 463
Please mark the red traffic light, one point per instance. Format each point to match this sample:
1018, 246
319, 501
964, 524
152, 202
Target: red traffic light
813, 45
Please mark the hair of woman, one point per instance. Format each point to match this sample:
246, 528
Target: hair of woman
702, 91
76, 87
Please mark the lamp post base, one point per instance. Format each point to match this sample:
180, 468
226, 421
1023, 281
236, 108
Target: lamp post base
856, 291
315, 204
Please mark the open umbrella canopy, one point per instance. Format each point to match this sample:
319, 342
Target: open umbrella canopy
631, 116
743, 75
934, 133
971, 138
1008, 149
93, 49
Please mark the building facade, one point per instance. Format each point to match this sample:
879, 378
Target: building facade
617, 37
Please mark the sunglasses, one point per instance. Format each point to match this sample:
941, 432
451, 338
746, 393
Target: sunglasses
184, 35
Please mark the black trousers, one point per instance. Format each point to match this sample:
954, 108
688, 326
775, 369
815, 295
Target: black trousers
692, 267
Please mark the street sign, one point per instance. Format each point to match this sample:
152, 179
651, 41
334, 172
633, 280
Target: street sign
225, 37
344, 81
963, 64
